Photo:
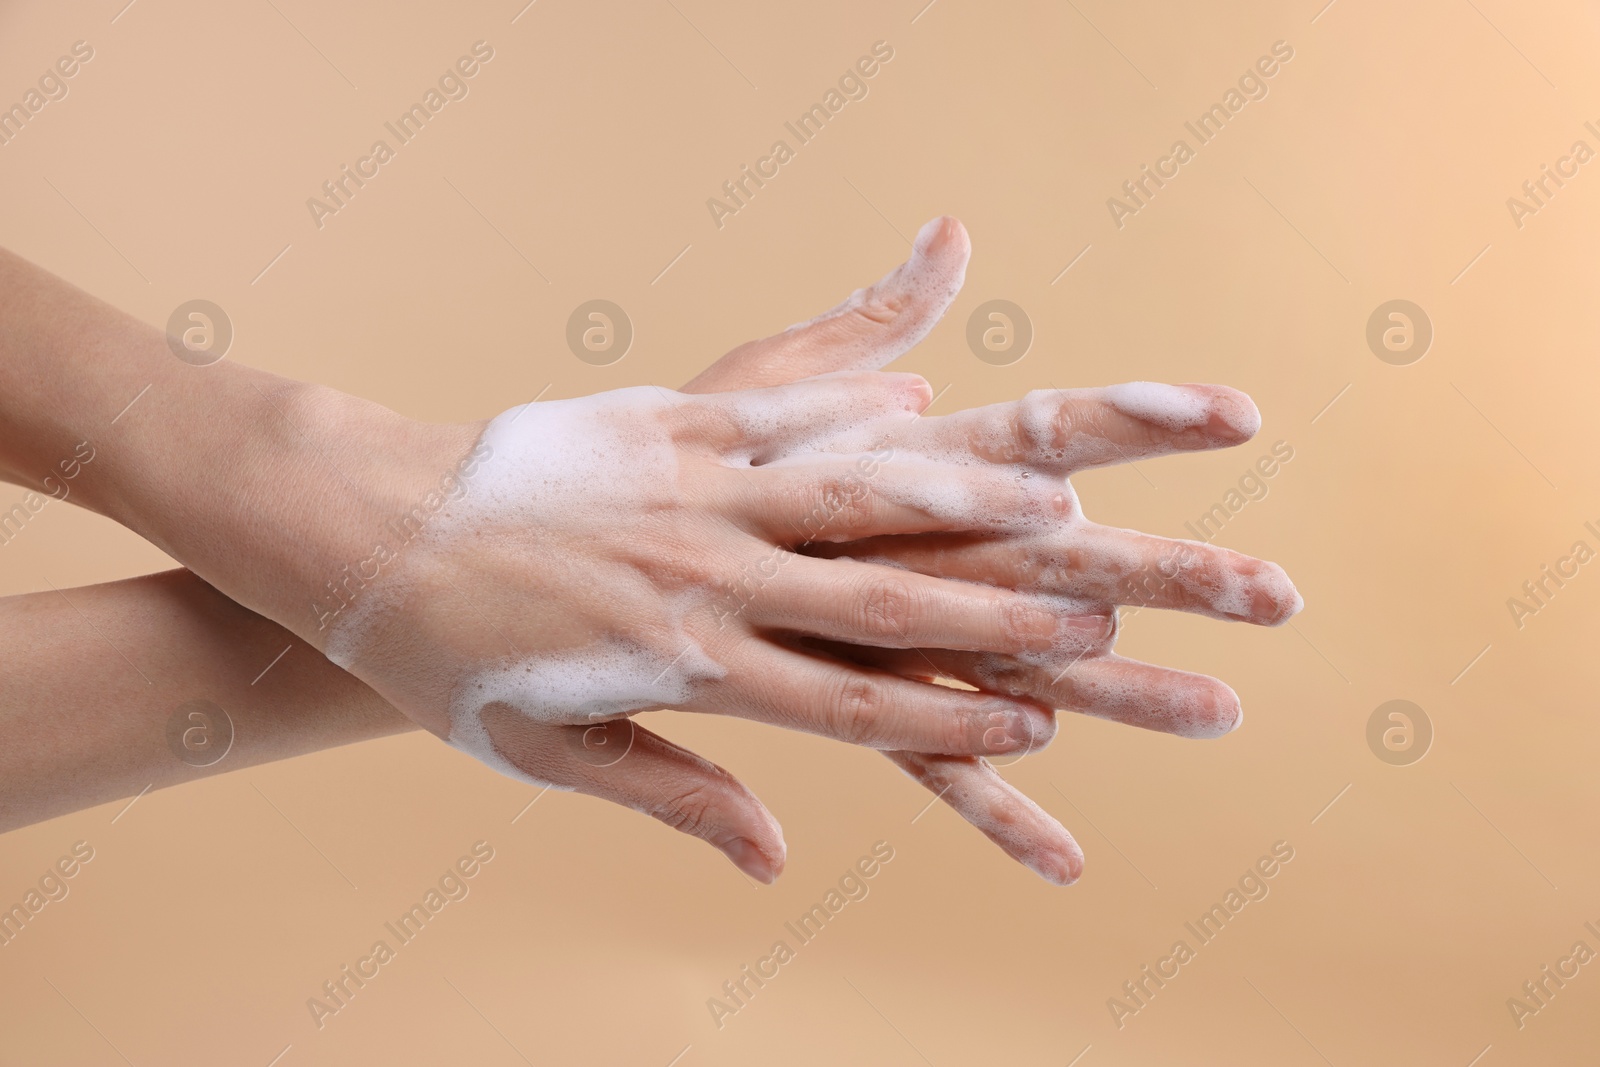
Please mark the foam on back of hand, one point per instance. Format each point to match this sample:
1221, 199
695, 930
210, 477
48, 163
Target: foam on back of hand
581, 504
580, 467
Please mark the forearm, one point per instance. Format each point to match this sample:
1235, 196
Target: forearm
82, 725
73, 368
231, 470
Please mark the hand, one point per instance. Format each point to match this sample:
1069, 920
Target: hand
1069, 430
308, 506
586, 577
1052, 435
633, 550
1066, 557
669, 783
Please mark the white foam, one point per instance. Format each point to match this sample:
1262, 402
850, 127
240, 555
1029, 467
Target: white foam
573, 466
1172, 407
564, 477
1000, 811
609, 678
470, 735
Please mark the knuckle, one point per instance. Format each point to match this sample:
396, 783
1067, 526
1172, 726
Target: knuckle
1025, 627
838, 505
1044, 422
968, 732
887, 609
1003, 674
856, 711
1143, 586
690, 810
853, 507
876, 307
1004, 500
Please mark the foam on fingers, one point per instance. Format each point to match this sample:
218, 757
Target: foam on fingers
1002, 813
1172, 407
863, 406
876, 325
1150, 697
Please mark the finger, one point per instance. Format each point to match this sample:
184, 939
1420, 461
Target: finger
626, 764
1102, 564
852, 497
889, 607
1121, 690
757, 426
1107, 687
1004, 814
818, 694
871, 329
1068, 430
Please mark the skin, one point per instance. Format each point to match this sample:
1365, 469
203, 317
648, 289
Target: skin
799, 653
84, 727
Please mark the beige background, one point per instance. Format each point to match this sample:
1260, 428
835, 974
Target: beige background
1377, 168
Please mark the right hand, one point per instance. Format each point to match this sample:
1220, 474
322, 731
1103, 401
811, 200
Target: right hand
636, 549
1095, 564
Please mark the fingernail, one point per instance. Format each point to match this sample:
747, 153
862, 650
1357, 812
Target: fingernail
1240, 413
1056, 868
1268, 607
934, 231
1096, 627
1275, 600
749, 859
1233, 414
1009, 731
1224, 698
1044, 630
1083, 635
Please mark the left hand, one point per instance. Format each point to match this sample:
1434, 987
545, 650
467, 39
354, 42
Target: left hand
1055, 434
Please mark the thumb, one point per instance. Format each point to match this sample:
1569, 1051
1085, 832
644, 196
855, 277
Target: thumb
874, 327
620, 761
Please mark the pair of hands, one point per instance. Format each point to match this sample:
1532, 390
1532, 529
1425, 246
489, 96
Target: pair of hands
810, 554
789, 539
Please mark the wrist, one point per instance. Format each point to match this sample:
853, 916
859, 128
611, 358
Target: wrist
274, 490
392, 477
